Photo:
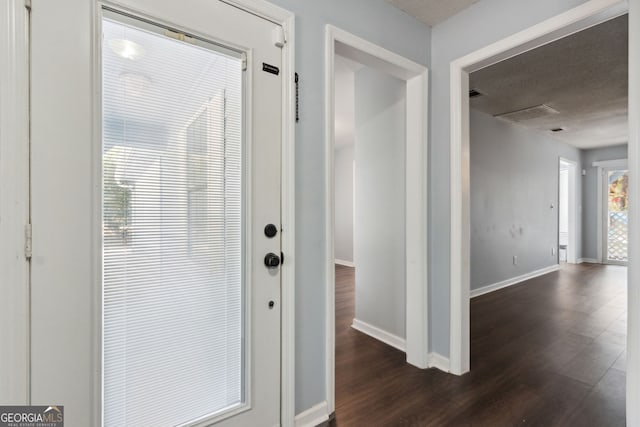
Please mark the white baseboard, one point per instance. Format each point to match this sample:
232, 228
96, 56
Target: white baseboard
513, 281
313, 416
345, 263
438, 361
588, 261
377, 333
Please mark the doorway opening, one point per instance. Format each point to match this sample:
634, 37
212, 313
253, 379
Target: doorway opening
567, 209
571, 22
613, 211
582, 17
383, 228
369, 193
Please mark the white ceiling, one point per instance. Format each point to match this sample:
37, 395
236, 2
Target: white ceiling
583, 77
432, 12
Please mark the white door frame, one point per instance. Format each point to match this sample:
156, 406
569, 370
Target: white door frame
602, 229
416, 77
14, 202
583, 16
572, 207
14, 66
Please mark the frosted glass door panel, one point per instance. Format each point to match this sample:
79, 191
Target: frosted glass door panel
173, 227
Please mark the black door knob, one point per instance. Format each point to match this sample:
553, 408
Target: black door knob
271, 260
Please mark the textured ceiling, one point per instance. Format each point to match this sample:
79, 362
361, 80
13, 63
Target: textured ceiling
583, 77
432, 12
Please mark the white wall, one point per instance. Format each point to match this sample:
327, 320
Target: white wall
344, 157
380, 201
344, 183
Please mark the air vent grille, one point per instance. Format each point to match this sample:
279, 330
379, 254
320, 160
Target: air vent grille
529, 113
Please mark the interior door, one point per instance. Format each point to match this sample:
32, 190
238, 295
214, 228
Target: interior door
155, 283
616, 215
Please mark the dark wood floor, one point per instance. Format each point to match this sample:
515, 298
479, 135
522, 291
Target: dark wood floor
547, 352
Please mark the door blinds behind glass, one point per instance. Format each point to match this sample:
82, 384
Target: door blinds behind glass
173, 296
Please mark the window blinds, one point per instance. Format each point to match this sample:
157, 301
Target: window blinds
173, 299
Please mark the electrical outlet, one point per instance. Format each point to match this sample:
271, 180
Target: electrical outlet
515, 260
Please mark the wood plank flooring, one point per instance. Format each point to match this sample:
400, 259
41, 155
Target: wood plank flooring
547, 352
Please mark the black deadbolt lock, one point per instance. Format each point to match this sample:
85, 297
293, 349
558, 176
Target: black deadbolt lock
271, 260
270, 230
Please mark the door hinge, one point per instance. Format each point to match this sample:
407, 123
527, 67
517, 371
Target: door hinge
244, 61
27, 241
27, 4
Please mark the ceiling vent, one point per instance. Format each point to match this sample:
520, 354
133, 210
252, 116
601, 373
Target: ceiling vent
474, 93
529, 113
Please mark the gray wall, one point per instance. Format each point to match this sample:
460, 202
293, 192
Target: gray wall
380, 23
380, 200
590, 195
343, 164
514, 182
481, 24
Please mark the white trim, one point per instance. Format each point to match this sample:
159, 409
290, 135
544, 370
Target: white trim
588, 261
380, 334
573, 209
601, 227
344, 263
513, 281
288, 236
587, 14
438, 361
633, 294
14, 202
313, 416
416, 76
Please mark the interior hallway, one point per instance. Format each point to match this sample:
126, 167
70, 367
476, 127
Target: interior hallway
547, 352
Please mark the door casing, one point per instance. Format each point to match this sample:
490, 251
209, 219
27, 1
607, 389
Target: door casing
416, 271
14, 202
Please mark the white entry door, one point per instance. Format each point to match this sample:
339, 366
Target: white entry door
156, 147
